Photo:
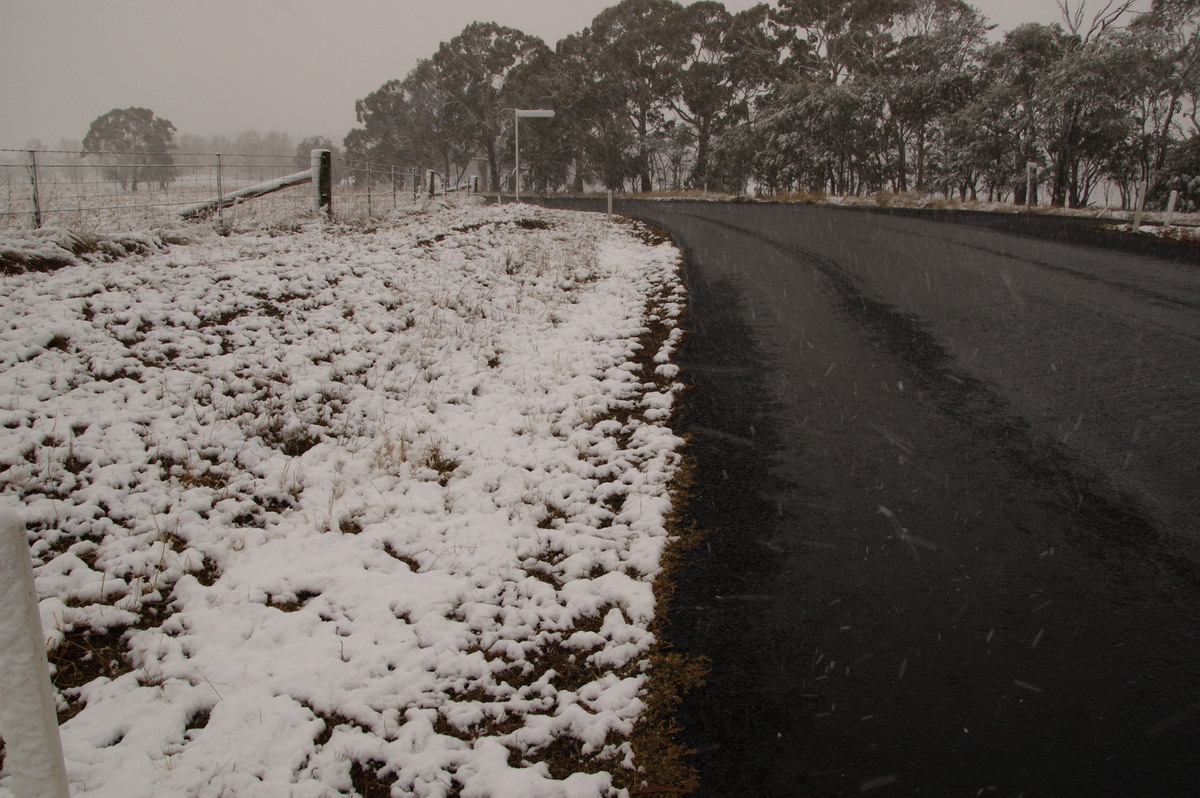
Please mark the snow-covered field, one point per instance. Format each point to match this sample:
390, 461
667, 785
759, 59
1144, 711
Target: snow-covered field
322, 511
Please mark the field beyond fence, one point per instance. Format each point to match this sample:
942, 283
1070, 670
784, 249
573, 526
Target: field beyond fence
113, 190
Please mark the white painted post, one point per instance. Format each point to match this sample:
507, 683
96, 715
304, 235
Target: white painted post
33, 749
1141, 205
1171, 208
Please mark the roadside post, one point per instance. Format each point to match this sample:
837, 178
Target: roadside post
1171, 208
1141, 205
33, 748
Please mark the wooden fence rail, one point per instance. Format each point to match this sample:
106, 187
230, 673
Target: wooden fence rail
320, 174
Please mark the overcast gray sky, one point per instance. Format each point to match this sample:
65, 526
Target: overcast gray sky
222, 66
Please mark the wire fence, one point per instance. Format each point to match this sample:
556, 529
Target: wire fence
114, 190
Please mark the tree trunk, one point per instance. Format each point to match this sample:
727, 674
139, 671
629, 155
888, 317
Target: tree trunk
1164, 137
921, 158
901, 161
493, 164
700, 171
644, 152
1020, 196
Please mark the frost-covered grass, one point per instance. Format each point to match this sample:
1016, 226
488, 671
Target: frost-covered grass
343, 510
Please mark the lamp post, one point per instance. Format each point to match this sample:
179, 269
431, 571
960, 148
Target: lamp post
519, 114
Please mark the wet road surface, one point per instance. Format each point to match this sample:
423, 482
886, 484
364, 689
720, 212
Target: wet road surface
951, 479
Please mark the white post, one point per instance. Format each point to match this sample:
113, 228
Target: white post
610, 205
1141, 205
1171, 208
33, 749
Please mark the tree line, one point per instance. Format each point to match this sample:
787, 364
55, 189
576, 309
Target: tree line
836, 96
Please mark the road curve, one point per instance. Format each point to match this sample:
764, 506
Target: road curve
952, 481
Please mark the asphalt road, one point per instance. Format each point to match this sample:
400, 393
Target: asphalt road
951, 479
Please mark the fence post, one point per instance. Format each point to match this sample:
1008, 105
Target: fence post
368, 189
220, 195
33, 746
322, 179
33, 179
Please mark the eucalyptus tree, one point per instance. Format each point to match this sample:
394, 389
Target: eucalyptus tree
134, 145
304, 150
1009, 111
412, 122
820, 135
640, 47
834, 40
1168, 39
476, 72
1167, 108
929, 76
1087, 100
731, 61
594, 131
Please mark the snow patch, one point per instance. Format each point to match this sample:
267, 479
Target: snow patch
336, 502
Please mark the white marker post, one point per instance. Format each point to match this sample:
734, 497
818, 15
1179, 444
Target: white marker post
33, 750
518, 115
1171, 208
1141, 205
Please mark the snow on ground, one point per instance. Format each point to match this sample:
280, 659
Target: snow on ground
314, 510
